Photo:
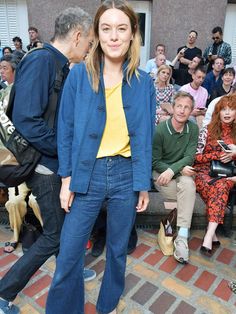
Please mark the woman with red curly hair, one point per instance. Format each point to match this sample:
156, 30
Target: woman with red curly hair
215, 195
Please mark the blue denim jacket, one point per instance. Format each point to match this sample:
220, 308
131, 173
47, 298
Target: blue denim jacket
34, 82
81, 123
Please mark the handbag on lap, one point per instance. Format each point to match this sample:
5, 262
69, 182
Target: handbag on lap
220, 170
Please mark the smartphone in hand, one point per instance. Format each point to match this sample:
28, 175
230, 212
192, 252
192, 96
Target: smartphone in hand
224, 146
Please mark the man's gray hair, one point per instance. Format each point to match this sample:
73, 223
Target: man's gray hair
12, 59
69, 19
181, 94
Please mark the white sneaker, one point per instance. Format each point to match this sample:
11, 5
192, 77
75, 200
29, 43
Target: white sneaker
181, 252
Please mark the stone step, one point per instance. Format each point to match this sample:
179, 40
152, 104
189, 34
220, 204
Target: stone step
156, 211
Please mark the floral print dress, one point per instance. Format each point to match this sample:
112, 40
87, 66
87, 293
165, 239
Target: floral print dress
163, 95
216, 195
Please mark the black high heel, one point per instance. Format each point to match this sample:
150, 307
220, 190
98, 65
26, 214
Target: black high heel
206, 251
216, 244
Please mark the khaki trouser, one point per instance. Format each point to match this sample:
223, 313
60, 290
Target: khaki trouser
183, 190
17, 208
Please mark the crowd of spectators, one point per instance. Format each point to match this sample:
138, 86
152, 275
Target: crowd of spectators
189, 58
209, 79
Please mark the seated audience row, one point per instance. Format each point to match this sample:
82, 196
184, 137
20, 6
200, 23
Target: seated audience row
216, 56
180, 157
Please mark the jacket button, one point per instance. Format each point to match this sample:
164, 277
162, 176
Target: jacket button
101, 108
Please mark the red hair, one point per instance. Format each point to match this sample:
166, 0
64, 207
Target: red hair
215, 126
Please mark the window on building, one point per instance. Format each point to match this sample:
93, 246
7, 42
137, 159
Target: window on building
13, 21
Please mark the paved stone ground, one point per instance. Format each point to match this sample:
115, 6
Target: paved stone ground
154, 283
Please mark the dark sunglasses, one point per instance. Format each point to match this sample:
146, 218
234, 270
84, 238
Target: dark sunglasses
214, 38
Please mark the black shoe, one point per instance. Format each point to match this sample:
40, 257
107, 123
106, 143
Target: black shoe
98, 247
205, 251
133, 239
216, 244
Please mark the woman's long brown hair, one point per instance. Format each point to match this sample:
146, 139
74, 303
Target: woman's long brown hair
95, 55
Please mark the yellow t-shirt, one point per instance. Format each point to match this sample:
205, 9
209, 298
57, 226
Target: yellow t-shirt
115, 139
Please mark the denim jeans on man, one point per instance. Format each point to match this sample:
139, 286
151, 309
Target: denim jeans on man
46, 188
111, 180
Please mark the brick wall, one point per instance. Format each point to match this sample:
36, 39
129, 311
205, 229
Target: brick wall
42, 13
171, 20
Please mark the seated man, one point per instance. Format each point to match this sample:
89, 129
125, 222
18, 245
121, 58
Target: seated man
159, 60
214, 77
174, 149
183, 76
151, 64
17, 209
199, 94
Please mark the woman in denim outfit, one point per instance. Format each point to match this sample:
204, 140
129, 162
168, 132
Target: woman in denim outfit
106, 123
